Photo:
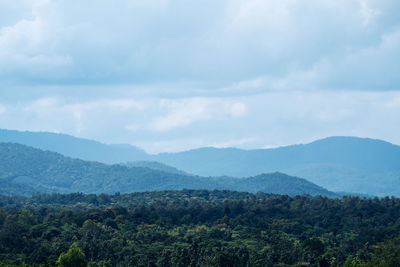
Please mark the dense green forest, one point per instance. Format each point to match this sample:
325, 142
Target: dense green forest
25, 170
198, 228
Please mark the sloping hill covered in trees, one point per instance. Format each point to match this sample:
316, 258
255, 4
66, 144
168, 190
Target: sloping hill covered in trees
154, 165
338, 163
45, 171
348, 164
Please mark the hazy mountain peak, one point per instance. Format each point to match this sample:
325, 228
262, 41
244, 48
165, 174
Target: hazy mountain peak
339, 163
29, 169
74, 147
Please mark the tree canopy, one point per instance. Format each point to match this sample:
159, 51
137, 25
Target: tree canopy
199, 228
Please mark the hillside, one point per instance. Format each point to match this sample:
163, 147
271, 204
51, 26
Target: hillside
350, 152
278, 183
9, 188
74, 147
45, 171
349, 164
154, 165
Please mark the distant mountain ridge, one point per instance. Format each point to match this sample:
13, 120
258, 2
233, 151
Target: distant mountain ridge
353, 152
24, 168
349, 164
74, 147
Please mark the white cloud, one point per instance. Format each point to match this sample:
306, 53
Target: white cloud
25, 49
160, 72
181, 113
367, 12
218, 43
2, 110
77, 118
262, 120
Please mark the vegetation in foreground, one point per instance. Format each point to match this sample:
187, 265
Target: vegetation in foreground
198, 228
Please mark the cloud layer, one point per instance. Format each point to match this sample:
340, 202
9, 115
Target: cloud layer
263, 120
172, 75
324, 44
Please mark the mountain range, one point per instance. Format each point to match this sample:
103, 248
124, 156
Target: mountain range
350, 164
75, 147
26, 170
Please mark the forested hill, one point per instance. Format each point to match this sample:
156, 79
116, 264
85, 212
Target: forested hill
348, 164
337, 163
155, 166
365, 154
45, 171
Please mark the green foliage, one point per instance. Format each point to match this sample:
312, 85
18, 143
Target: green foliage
25, 170
154, 166
387, 254
73, 258
348, 164
199, 228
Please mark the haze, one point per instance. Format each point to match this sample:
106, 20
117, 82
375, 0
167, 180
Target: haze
174, 75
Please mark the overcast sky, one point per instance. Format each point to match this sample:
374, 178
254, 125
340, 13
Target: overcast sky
170, 75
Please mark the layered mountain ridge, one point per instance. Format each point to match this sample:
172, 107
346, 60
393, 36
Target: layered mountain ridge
349, 164
25, 170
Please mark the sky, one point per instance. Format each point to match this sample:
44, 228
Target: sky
172, 75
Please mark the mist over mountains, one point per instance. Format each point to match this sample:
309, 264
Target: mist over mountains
74, 147
348, 164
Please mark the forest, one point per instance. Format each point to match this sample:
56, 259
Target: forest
198, 228
26, 170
